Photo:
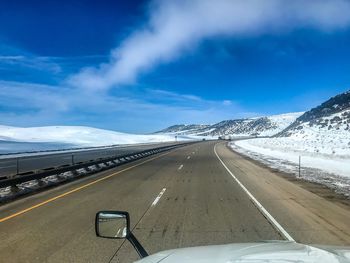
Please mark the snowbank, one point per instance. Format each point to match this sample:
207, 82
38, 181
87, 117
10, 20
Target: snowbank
323, 160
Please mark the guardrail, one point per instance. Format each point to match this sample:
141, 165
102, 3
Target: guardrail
90, 167
19, 165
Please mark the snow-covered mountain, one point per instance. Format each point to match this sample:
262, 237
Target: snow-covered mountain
77, 135
258, 126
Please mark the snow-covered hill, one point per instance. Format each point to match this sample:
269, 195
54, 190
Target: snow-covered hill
78, 136
330, 118
321, 137
259, 126
324, 129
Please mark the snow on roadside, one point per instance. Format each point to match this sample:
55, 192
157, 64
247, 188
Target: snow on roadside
78, 135
330, 166
21, 140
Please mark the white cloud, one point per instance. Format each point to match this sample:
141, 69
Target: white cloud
37, 97
27, 104
179, 25
30, 62
227, 102
169, 95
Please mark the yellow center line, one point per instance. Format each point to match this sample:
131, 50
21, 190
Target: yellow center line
77, 189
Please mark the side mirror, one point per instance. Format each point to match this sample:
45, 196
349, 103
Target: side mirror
112, 224
116, 225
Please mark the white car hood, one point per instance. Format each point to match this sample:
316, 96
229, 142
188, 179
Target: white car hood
252, 252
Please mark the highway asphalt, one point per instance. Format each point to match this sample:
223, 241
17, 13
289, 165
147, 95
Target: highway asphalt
8, 164
184, 197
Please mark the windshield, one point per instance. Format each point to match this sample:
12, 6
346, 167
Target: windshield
173, 124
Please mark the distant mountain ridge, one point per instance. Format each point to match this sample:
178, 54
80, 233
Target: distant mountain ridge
183, 128
258, 126
332, 115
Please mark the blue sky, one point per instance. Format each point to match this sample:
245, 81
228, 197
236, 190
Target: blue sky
139, 66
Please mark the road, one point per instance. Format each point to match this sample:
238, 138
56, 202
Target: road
8, 164
185, 197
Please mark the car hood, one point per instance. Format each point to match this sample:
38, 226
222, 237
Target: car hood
276, 251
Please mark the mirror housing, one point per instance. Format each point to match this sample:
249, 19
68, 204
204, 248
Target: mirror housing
112, 224
116, 225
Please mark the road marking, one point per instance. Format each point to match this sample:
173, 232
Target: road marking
188, 157
77, 189
262, 209
158, 197
117, 233
181, 166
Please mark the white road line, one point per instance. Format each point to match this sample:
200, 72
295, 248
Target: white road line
262, 209
181, 166
117, 233
188, 157
158, 197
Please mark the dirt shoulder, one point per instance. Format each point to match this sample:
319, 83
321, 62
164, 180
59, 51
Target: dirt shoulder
316, 188
310, 213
